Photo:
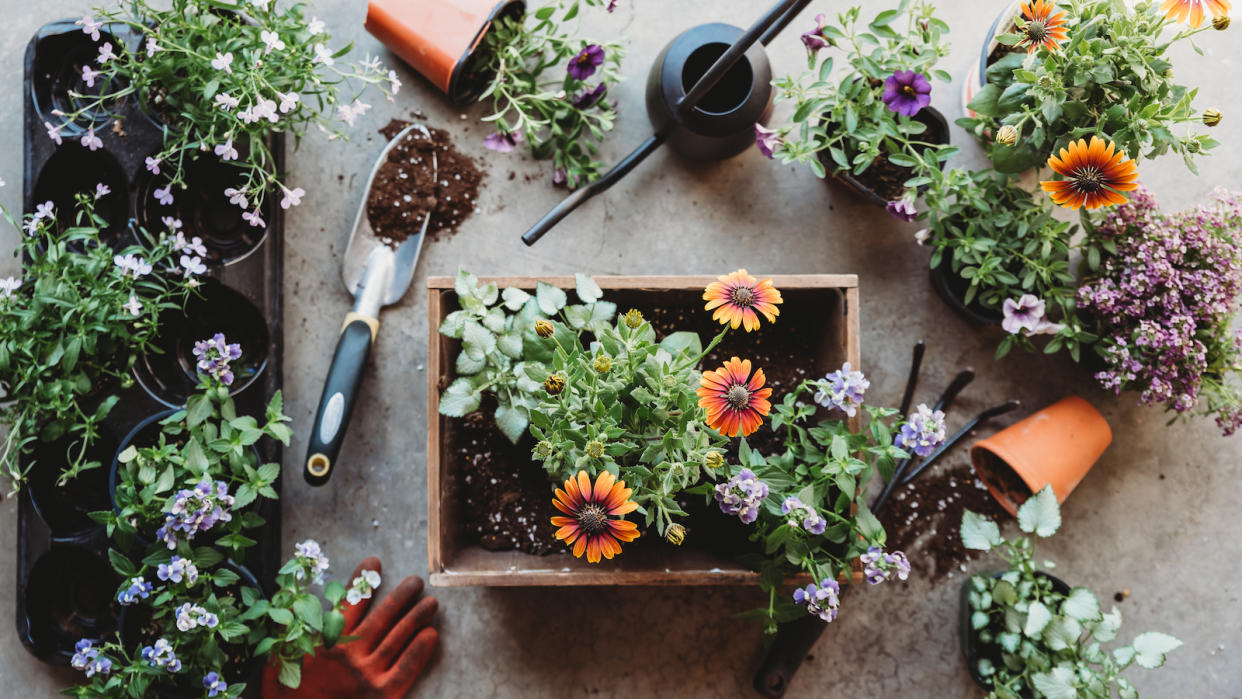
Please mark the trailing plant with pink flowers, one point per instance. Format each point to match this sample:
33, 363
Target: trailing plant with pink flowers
1165, 298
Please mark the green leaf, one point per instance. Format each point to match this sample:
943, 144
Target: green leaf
1040, 514
333, 627
587, 289
551, 299
1106, 628
510, 344
1151, 647
1058, 684
459, 398
511, 421
454, 323
514, 298
477, 340
197, 409
1082, 605
979, 532
284, 617
310, 610
1037, 617
224, 577
290, 674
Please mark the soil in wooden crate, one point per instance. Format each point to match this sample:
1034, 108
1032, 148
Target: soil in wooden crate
924, 518
405, 189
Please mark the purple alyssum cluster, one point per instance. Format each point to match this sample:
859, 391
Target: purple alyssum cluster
1165, 301
879, 566
923, 432
87, 659
196, 510
177, 570
214, 355
822, 600
161, 655
803, 515
843, 390
137, 589
742, 495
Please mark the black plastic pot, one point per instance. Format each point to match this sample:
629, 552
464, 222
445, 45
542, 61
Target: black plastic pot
57, 67
951, 288
970, 637
74, 170
723, 123
66, 508
169, 372
68, 595
937, 132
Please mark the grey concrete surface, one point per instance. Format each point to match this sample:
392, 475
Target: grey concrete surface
1157, 515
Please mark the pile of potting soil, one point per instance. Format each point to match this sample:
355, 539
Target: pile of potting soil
407, 187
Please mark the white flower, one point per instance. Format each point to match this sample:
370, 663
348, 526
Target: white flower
153, 165
134, 306
152, 47
226, 151
32, 226
226, 102
102, 190
266, 109
260, 4
921, 236
88, 76
223, 61
90, 27
393, 82
372, 577
164, 195
323, 55
8, 285
174, 224
349, 113
292, 197
192, 265
236, 197
315, 26
53, 132
353, 596
105, 53
288, 101
90, 140
253, 218
194, 245
132, 264
272, 40
44, 210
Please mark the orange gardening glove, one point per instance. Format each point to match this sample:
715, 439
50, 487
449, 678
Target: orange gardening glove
394, 642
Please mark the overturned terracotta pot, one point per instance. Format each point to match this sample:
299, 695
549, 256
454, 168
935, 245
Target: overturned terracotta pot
1056, 445
441, 38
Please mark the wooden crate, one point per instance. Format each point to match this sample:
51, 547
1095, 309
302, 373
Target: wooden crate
456, 562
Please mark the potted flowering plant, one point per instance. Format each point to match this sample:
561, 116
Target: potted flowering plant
74, 325
1027, 634
872, 126
1163, 299
1059, 73
222, 78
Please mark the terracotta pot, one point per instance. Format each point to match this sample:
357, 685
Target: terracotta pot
1056, 445
438, 38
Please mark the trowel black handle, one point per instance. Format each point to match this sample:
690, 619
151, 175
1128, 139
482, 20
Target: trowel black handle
793, 641
340, 392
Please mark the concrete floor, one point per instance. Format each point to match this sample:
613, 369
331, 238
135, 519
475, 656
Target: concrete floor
1156, 515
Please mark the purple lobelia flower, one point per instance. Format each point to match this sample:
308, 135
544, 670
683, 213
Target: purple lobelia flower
1023, 313
767, 140
822, 600
922, 433
588, 60
502, 142
814, 40
589, 98
214, 356
742, 495
906, 92
879, 566
842, 390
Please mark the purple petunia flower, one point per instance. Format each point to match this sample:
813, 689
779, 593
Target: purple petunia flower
584, 65
1023, 313
742, 495
767, 140
906, 92
502, 142
902, 210
590, 97
814, 40
822, 601
923, 432
842, 390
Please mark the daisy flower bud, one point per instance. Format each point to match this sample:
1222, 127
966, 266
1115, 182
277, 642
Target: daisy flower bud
1007, 135
544, 328
1212, 117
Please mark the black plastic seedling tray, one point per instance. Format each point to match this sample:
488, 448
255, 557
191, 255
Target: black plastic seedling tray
66, 589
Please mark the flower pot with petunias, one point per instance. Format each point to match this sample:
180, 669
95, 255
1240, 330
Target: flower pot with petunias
1026, 633
870, 126
1055, 446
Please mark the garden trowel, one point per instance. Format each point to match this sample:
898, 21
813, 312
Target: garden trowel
377, 275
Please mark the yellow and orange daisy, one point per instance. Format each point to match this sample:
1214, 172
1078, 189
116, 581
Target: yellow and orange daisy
594, 525
738, 299
1179, 10
1096, 174
1042, 27
735, 401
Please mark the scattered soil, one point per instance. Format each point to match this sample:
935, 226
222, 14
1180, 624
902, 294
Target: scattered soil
923, 519
406, 187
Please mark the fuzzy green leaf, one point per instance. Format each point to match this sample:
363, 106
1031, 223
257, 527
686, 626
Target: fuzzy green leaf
1151, 647
1040, 514
551, 299
587, 289
979, 532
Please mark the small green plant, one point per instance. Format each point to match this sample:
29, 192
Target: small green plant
501, 354
1034, 638
541, 91
1111, 77
74, 324
866, 116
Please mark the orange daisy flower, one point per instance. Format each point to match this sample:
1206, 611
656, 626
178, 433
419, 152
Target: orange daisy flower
590, 526
1179, 10
736, 402
1095, 175
1042, 27
737, 296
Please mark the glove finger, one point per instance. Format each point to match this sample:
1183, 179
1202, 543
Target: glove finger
385, 614
397, 681
354, 613
399, 636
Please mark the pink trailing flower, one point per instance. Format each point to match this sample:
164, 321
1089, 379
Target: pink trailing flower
502, 142
814, 40
767, 140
